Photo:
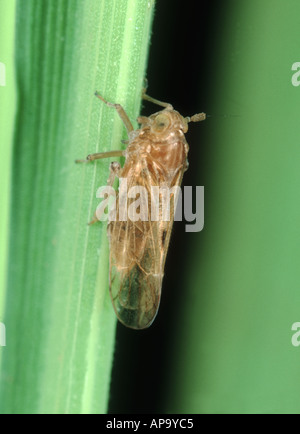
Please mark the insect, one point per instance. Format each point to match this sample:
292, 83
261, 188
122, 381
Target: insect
156, 155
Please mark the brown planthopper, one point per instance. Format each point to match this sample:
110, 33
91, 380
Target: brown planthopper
156, 156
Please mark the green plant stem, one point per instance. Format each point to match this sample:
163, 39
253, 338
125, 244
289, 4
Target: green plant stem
7, 110
58, 312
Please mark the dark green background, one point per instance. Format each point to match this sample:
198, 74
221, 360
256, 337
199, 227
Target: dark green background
222, 339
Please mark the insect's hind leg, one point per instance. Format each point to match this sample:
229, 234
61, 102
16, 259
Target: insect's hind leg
115, 171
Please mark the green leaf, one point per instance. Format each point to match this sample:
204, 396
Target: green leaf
59, 319
7, 110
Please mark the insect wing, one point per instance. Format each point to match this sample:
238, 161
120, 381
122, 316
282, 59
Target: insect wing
137, 256
135, 287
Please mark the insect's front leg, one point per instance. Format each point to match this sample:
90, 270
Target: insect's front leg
121, 112
115, 171
153, 100
128, 125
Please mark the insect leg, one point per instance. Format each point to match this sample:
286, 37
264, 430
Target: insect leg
123, 115
155, 101
121, 112
99, 155
115, 171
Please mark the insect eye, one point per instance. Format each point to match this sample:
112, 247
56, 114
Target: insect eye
161, 122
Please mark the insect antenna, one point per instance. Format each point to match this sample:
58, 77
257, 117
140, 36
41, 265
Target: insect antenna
223, 116
196, 118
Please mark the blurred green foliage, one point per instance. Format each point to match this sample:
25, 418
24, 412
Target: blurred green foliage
233, 351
